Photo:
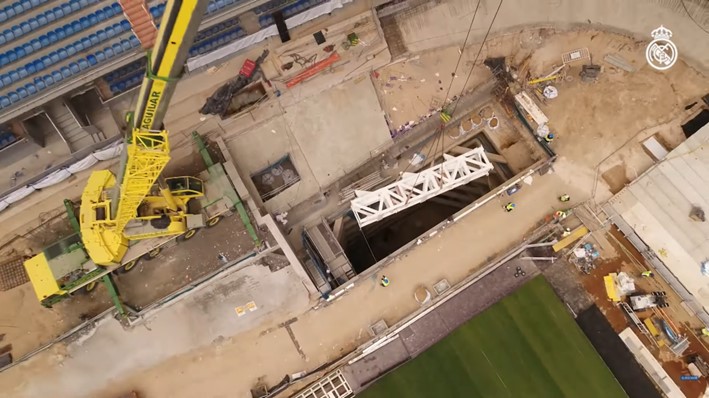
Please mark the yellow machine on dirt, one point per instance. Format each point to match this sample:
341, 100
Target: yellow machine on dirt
136, 204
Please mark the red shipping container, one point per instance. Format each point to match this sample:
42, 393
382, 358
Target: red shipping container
247, 69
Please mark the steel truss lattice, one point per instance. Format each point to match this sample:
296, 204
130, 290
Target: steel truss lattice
414, 188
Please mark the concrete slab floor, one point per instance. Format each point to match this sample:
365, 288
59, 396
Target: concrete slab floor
208, 317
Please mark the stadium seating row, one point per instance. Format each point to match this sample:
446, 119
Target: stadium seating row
18, 8
289, 11
6, 138
74, 68
65, 53
49, 16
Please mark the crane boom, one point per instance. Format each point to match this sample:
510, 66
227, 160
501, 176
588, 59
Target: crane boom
109, 203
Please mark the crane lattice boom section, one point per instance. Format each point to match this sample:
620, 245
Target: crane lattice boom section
415, 188
148, 154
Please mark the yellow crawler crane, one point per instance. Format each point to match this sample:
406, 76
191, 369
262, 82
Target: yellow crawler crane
116, 209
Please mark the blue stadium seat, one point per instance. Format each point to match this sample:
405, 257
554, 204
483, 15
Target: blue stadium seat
39, 83
76, 26
110, 32
78, 46
3, 16
66, 73
4, 60
85, 42
14, 76
27, 48
4, 101
70, 50
62, 54
221, 4
56, 76
31, 88
16, 31
54, 57
117, 9
22, 92
52, 36
101, 35
75, 6
109, 52
10, 12
36, 3
50, 16
12, 56
48, 80
117, 49
58, 13
125, 44
125, 25
211, 8
17, 6
36, 45
25, 27
100, 15
92, 19
85, 24
92, 59
84, 3
44, 41
100, 56
6, 80
46, 61
34, 24
38, 65
108, 10
66, 9
9, 36
134, 41
62, 32
30, 69
14, 98
83, 64
42, 19
22, 71
74, 68
94, 39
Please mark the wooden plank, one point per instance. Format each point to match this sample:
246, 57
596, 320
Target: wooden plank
573, 237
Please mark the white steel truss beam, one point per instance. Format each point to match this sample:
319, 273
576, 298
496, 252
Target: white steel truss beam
414, 188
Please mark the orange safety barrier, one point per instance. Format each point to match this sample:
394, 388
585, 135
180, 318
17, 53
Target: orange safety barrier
313, 70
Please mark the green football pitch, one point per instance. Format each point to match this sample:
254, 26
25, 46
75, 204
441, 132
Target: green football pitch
527, 345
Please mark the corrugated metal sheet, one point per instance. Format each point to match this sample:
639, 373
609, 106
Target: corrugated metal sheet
656, 206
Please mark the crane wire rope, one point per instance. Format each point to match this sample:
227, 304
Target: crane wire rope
439, 136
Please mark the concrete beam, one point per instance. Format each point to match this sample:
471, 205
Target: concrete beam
459, 150
495, 158
338, 229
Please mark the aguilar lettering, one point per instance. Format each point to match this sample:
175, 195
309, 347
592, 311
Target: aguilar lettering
150, 109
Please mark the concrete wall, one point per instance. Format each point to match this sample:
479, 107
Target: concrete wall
432, 26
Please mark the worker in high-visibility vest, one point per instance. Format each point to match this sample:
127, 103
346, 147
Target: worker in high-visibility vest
647, 274
510, 206
384, 281
549, 138
564, 198
705, 331
445, 116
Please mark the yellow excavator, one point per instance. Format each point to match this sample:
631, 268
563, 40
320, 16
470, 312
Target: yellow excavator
120, 214
117, 209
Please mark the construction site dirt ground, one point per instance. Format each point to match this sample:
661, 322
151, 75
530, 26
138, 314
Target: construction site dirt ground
231, 366
28, 326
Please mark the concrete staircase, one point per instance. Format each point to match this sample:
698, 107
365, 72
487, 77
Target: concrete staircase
67, 125
136, 11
